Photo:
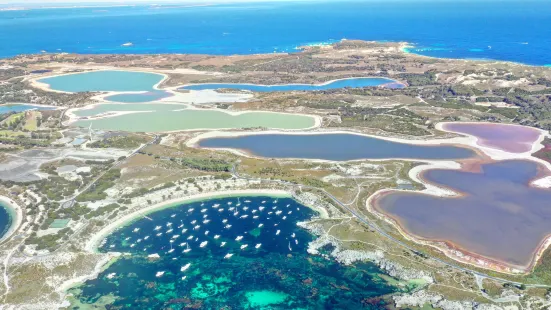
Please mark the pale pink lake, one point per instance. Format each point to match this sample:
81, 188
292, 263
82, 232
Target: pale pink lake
509, 138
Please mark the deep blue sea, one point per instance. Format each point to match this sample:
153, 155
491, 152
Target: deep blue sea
504, 30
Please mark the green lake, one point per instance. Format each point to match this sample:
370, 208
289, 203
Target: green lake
158, 117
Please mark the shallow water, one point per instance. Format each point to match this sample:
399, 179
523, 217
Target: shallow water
500, 216
8, 108
510, 138
171, 117
104, 81
278, 274
333, 146
352, 83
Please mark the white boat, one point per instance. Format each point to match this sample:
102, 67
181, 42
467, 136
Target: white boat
171, 250
235, 213
216, 205
293, 235
187, 250
238, 238
296, 241
132, 245
230, 203
184, 230
153, 255
159, 274
127, 238
258, 245
190, 237
169, 231
216, 236
224, 221
287, 206
190, 210
171, 241
261, 208
220, 210
289, 212
260, 225
184, 277
263, 201
136, 230
203, 210
277, 232
146, 237
202, 204
255, 217
180, 226
205, 216
206, 232
168, 224
196, 227
193, 222
278, 212
206, 221
139, 240
182, 244
228, 255
247, 201
270, 212
223, 244
172, 215
185, 267
203, 244
231, 209
244, 246
244, 216
245, 208
158, 234
157, 227
284, 217
238, 204
227, 226
175, 236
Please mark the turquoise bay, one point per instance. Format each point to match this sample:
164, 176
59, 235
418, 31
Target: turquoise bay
269, 269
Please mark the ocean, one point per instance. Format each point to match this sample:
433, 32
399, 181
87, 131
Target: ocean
471, 29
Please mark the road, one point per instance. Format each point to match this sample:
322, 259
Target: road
373, 226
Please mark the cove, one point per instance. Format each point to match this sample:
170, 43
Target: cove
108, 80
505, 137
180, 259
352, 82
498, 216
173, 117
333, 146
5, 220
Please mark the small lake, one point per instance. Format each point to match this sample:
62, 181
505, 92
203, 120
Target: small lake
333, 146
141, 97
510, 138
158, 117
181, 259
108, 80
500, 216
352, 83
8, 108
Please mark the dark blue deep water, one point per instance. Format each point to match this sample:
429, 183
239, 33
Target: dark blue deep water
278, 274
5, 220
505, 30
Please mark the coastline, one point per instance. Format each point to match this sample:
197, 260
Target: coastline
16, 214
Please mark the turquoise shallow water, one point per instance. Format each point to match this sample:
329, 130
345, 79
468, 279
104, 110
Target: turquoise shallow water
104, 81
352, 83
278, 274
